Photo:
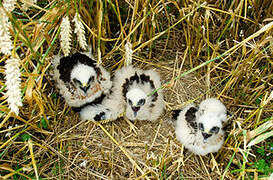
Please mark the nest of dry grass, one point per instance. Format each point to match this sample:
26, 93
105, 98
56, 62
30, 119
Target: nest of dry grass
48, 141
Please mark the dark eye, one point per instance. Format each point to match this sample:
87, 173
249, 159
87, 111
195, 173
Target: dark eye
130, 102
91, 79
214, 130
141, 102
201, 126
76, 81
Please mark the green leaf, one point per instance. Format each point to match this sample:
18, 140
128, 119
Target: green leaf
44, 123
261, 151
54, 96
259, 99
25, 137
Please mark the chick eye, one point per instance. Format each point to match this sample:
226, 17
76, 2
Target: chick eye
201, 126
214, 130
130, 102
91, 79
76, 81
141, 102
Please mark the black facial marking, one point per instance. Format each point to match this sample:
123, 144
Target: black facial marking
146, 79
175, 113
125, 88
130, 102
141, 102
191, 118
128, 83
206, 135
76, 81
134, 78
215, 130
142, 78
201, 126
67, 64
91, 79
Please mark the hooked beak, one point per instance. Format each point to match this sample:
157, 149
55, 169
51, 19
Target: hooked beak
135, 109
206, 136
85, 87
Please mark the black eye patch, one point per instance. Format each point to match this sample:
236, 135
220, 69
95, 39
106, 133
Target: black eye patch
201, 126
141, 102
76, 81
130, 102
91, 79
214, 130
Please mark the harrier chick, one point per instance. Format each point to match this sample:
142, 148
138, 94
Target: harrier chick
200, 129
133, 92
81, 81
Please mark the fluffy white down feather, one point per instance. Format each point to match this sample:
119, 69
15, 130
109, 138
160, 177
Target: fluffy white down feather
75, 97
215, 106
91, 111
211, 113
116, 104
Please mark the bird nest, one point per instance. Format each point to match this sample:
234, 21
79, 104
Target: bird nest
123, 149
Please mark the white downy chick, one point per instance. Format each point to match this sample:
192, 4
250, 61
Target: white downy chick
200, 129
131, 94
80, 80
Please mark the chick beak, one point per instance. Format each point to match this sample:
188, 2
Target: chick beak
206, 136
85, 87
135, 110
